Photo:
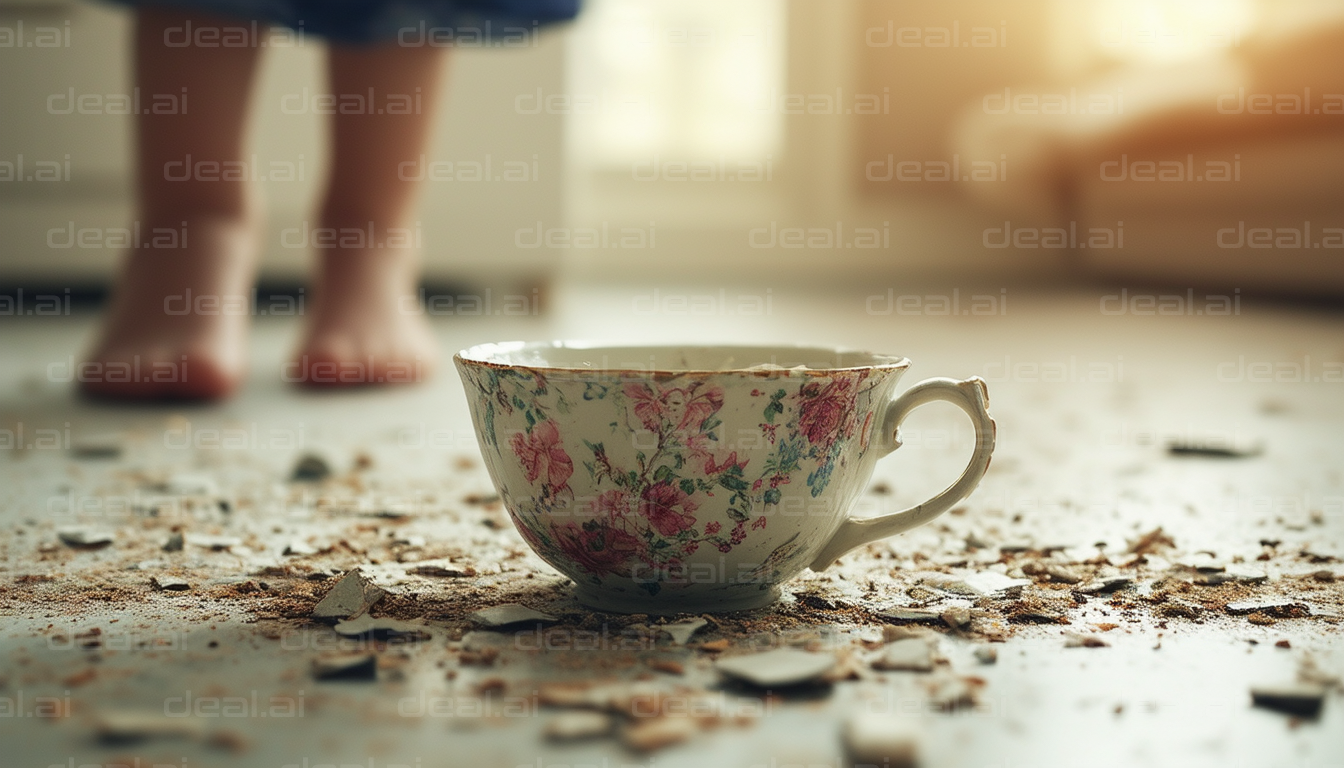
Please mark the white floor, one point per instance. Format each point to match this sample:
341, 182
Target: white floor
1085, 399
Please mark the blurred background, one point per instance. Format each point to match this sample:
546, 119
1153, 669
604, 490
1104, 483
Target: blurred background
1185, 142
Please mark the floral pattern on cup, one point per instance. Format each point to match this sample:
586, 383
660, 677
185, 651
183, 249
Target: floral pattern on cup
684, 487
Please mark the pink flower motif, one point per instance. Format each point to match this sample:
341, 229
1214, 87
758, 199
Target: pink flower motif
613, 505
543, 456
731, 461
756, 486
824, 410
712, 527
758, 523
682, 408
596, 547
669, 510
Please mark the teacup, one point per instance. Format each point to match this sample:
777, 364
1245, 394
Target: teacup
668, 479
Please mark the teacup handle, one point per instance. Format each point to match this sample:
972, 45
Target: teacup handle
969, 395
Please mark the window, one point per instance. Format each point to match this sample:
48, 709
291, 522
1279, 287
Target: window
676, 80
1109, 32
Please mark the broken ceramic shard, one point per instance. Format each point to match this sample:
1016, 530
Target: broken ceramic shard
1280, 606
442, 569
881, 740
1301, 699
986, 654
906, 615
957, 617
310, 468
1233, 573
299, 549
1061, 574
986, 584
1073, 640
1215, 445
106, 446
953, 692
169, 583
347, 666
134, 725
682, 631
175, 542
1105, 584
574, 726
779, 668
912, 654
648, 734
352, 595
214, 543
381, 629
510, 615
85, 537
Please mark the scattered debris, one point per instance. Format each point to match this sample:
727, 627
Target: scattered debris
1301, 699
1105, 584
669, 666
310, 468
299, 549
1215, 446
682, 631
900, 616
986, 654
215, 543
1072, 640
443, 569
510, 615
352, 595
86, 538
1280, 607
478, 656
107, 446
875, 739
169, 583
575, 726
983, 584
957, 617
128, 726
1053, 572
381, 629
892, 633
346, 666
1180, 609
1233, 573
912, 654
191, 485
1151, 542
647, 735
953, 692
176, 541
778, 668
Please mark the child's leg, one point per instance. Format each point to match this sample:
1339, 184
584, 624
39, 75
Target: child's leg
364, 324
175, 322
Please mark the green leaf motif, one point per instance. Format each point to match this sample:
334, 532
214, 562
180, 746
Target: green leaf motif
772, 496
687, 486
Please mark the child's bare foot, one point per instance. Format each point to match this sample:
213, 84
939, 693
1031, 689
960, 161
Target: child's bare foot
366, 325
177, 326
